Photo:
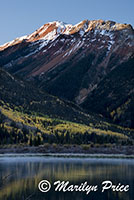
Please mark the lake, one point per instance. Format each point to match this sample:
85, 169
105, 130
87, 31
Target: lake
21, 174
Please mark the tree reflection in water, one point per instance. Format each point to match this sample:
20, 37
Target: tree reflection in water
19, 177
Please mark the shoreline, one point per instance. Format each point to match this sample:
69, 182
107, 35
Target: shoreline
69, 149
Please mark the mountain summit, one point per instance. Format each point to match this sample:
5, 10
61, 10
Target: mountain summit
80, 63
52, 30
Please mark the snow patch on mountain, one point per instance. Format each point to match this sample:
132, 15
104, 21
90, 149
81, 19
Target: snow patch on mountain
14, 41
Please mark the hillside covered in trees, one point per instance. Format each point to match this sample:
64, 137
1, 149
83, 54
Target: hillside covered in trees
32, 117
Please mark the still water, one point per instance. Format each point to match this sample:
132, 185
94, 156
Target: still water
20, 176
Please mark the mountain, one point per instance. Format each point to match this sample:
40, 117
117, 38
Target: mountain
114, 95
24, 97
30, 116
83, 63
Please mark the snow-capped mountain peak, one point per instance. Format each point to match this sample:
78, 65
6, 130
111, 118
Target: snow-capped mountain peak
51, 30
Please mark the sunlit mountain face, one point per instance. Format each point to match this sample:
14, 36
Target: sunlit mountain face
90, 63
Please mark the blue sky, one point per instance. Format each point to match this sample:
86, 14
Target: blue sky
22, 17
